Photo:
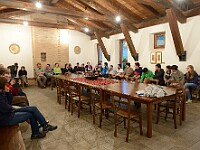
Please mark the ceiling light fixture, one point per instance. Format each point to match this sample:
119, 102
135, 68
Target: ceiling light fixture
38, 5
25, 23
86, 18
118, 18
86, 29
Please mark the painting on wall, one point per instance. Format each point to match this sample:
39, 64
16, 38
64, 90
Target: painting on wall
43, 57
158, 57
159, 40
153, 58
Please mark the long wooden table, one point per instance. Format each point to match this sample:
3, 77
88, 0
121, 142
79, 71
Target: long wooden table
129, 89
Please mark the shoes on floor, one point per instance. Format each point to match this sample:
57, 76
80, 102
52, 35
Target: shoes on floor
188, 101
38, 136
49, 128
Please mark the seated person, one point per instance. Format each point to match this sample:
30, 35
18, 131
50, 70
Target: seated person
137, 72
147, 75
23, 76
48, 71
167, 73
111, 71
57, 69
105, 69
40, 75
159, 75
88, 67
177, 77
96, 70
191, 82
128, 71
119, 72
71, 70
10, 116
65, 70
81, 70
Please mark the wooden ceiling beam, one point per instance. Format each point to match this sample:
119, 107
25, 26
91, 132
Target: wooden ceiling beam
38, 24
49, 9
131, 46
192, 12
175, 31
105, 53
15, 13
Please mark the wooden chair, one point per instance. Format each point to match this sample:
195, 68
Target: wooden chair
123, 109
175, 105
76, 97
60, 89
196, 92
99, 105
66, 87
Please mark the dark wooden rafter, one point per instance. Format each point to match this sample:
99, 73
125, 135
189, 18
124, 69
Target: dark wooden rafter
175, 31
38, 24
131, 46
105, 53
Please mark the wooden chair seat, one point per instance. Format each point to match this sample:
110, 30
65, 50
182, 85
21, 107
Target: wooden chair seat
82, 98
104, 105
124, 113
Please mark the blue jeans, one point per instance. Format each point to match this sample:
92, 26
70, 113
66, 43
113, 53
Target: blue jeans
188, 87
26, 113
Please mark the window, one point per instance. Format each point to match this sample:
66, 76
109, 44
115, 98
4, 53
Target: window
123, 56
100, 55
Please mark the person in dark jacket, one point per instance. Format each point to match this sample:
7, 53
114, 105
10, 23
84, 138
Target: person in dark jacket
159, 74
10, 116
13, 70
65, 70
23, 76
191, 82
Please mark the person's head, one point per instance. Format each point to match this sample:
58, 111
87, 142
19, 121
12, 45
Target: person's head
1, 66
157, 67
22, 68
88, 63
174, 68
15, 64
145, 70
66, 66
190, 68
168, 68
6, 73
3, 82
70, 65
82, 65
119, 66
111, 67
128, 65
77, 64
56, 65
137, 65
39, 65
48, 66
105, 64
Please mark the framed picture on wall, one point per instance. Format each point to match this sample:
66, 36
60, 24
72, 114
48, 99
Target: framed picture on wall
159, 57
153, 58
43, 56
159, 40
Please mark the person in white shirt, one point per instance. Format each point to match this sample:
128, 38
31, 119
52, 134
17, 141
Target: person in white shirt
119, 72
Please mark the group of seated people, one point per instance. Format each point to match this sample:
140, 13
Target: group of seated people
14, 107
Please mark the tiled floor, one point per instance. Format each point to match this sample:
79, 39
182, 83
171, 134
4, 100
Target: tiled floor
81, 134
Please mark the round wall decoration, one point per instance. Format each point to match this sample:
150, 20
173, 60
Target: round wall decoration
14, 48
77, 50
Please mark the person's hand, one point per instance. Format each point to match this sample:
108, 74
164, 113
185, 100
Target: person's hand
7, 89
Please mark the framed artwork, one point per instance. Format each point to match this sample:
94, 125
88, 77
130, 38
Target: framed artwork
43, 57
159, 40
159, 57
153, 58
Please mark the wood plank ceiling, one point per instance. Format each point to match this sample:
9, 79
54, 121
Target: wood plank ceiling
99, 15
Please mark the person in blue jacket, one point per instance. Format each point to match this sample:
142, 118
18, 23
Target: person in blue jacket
105, 69
10, 116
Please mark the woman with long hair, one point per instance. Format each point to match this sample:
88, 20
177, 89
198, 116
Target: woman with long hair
191, 81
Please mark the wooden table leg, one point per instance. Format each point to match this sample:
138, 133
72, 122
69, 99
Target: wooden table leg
184, 111
51, 83
149, 120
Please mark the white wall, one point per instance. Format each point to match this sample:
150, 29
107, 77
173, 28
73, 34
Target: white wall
143, 42
20, 35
